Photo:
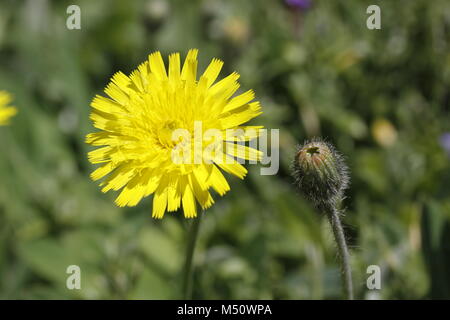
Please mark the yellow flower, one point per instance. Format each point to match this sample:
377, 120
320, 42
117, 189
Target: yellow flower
6, 112
139, 152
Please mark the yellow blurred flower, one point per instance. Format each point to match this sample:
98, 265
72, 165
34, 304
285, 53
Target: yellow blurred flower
384, 132
236, 30
6, 112
138, 123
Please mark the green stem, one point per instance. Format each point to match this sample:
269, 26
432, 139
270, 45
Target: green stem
346, 271
187, 276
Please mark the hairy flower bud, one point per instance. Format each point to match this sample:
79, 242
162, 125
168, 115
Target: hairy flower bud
320, 172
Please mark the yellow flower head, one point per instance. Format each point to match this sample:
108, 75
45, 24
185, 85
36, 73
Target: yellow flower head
6, 112
167, 133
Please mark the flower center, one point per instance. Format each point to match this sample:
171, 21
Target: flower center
166, 134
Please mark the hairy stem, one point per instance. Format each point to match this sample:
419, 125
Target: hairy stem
190, 248
346, 272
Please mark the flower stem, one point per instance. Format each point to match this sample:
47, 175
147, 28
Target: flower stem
346, 272
188, 274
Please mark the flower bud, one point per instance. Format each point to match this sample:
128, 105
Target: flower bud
320, 172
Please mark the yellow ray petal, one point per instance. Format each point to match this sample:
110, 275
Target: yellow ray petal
106, 105
189, 207
192, 55
189, 72
228, 84
234, 168
212, 71
102, 171
136, 80
218, 181
154, 179
173, 194
133, 192
240, 100
240, 115
242, 152
5, 98
159, 202
6, 114
117, 88
201, 194
118, 178
100, 155
157, 65
174, 67
243, 133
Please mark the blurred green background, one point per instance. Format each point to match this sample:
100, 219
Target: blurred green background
381, 96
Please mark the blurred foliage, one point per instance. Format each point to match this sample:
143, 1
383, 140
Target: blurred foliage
382, 96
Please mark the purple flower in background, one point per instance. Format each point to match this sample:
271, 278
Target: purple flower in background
444, 140
297, 8
299, 4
